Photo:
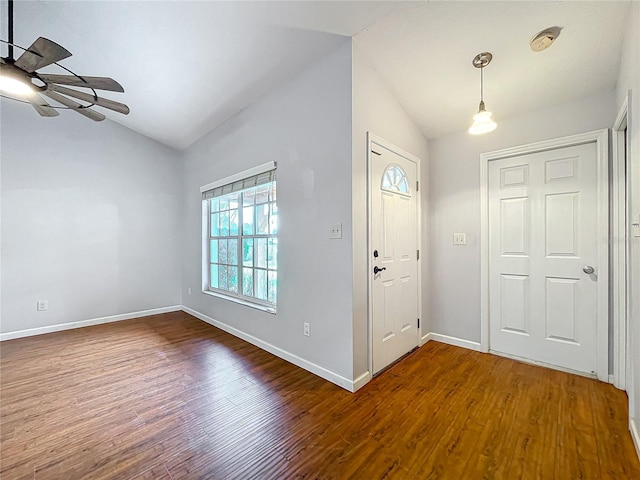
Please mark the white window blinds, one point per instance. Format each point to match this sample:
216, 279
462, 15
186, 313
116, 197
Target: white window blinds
260, 175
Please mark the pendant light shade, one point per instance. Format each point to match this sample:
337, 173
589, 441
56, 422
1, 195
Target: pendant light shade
482, 121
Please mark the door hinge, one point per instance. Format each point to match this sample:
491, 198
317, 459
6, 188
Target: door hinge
418, 323
417, 254
417, 185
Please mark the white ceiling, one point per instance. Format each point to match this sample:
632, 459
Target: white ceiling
188, 66
424, 54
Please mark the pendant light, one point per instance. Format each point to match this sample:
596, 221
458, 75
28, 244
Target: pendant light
482, 122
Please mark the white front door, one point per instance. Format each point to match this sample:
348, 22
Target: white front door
394, 244
542, 245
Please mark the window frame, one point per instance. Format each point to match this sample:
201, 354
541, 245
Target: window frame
237, 296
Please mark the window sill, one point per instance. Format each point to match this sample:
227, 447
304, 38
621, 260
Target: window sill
241, 301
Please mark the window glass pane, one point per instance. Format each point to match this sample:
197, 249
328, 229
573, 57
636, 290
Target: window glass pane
247, 252
262, 193
233, 279
239, 247
223, 279
247, 282
232, 252
213, 278
262, 219
233, 200
261, 284
213, 251
273, 219
395, 180
214, 225
272, 259
249, 197
247, 220
224, 224
260, 252
233, 222
222, 251
273, 286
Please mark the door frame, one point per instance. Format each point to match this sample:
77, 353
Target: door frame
620, 207
372, 140
601, 139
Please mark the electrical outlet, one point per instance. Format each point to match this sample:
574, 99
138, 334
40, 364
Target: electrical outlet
189, 290
335, 231
459, 238
42, 305
307, 329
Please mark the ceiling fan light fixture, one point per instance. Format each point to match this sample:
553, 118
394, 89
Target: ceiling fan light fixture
16, 80
482, 121
15, 87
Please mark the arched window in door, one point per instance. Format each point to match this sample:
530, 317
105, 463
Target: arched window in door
394, 180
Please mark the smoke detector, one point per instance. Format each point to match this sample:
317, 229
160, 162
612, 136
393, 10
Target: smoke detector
543, 40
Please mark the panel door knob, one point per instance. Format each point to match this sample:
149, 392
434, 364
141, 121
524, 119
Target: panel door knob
588, 269
377, 270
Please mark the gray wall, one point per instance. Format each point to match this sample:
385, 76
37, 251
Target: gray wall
375, 109
629, 79
454, 202
90, 219
305, 126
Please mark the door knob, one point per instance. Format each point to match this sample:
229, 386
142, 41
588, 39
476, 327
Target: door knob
377, 270
588, 269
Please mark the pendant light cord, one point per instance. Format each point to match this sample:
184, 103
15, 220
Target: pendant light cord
10, 8
481, 84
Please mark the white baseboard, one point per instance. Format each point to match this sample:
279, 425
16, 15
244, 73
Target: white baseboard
458, 342
635, 434
86, 323
361, 381
347, 384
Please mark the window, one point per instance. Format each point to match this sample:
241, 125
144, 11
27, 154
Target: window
241, 241
395, 180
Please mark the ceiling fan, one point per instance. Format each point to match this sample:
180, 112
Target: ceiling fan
20, 80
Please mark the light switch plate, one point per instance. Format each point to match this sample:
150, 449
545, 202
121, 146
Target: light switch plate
459, 238
335, 231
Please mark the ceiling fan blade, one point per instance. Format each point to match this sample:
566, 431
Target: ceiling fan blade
41, 53
99, 83
102, 102
42, 107
87, 112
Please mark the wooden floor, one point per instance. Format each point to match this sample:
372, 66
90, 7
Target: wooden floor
170, 397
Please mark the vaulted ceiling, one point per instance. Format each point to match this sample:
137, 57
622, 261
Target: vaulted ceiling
188, 66
424, 54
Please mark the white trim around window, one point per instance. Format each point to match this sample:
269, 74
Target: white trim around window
240, 237
265, 167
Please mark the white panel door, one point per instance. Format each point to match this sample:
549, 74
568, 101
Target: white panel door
394, 245
542, 238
